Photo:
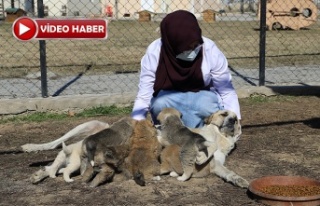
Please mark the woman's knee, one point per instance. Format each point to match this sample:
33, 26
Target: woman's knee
157, 104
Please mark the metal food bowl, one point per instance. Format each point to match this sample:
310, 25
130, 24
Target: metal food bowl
257, 186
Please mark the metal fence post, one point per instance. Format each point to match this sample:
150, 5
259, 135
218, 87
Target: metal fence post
262, 44
116, 9
43, 60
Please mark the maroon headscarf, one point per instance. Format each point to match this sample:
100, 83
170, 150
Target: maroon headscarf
180, 32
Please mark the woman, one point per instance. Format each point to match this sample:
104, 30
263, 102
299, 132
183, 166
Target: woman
186, 71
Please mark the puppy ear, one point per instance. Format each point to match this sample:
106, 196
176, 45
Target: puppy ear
224, 113
237, 131
217, 120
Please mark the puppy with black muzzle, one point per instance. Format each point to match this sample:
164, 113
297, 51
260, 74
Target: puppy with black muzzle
137, 158
95, 146
173, 132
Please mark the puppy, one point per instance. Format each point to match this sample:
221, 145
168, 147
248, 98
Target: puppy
226, 124
223, 128
109, 163
66, 162
174, 132
171, 162
94, 147
143, 160
73, 155
67, 158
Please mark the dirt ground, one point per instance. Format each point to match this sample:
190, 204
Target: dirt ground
280, 137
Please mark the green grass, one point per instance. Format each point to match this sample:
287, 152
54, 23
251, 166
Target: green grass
258, 99
47, 116
98, 111
34, 117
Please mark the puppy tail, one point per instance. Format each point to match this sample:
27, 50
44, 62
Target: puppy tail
139, 178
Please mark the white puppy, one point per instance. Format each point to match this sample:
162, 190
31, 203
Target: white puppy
68, 159
66, 162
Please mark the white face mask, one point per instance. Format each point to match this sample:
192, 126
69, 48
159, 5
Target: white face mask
189, 55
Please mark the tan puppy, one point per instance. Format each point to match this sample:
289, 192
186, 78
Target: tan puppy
224, 129
142, 162
173, 132
94, 147
170, 162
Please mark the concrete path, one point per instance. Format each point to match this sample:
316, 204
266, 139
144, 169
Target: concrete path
22, 95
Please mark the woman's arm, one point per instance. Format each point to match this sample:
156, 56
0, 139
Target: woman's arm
149, 64
222, 79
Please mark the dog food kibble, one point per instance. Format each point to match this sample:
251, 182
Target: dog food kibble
292, 190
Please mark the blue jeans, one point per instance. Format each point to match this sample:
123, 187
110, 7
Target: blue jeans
194, 106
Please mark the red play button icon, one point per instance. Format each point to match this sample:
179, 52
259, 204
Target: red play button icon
24, 28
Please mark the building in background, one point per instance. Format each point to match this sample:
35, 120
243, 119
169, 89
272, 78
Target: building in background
124, 7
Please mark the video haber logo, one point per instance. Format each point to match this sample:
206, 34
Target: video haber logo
24, 29
42, 29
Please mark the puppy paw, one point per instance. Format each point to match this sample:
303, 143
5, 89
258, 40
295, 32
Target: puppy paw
173, 174
182, 178
93, 185
69, 180
237, 180
156, 178
242, 183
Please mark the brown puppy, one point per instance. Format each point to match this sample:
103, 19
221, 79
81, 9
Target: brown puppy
171, 162
95, 146
142, 163
173, 132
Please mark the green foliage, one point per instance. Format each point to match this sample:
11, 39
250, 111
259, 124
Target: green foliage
260, 98
46, 116
34, 117
110, 110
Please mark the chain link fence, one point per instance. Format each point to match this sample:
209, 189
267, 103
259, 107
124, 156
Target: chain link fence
290, 53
